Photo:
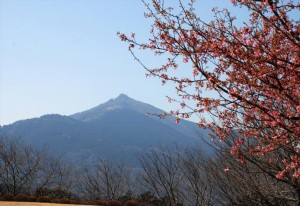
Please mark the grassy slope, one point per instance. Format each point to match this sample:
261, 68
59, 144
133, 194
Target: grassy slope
31, 204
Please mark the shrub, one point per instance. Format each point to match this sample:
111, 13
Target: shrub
101, 202
55, 200
114, 203
43, 199
131, 203
85, 203
75, 202
32, 198
64, 201
21, 198
8, 197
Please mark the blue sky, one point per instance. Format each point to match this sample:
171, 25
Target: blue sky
63, 56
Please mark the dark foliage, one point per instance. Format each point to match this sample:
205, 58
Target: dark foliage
43, 199
21, 198
114, 203
8, 197
64, 201
131, 203
32, 198
101, 202
55, 200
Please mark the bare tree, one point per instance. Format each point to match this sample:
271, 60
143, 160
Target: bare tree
19, 165
56, 178
162, 176
26, 170
198, 188
89, 184
251, 182
195, 178
105, 180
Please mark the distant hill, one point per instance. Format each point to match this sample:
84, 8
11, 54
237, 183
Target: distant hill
119, 129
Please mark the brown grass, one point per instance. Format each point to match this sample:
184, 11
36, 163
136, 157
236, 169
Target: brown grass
32, 204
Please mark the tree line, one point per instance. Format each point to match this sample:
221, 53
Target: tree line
166, 177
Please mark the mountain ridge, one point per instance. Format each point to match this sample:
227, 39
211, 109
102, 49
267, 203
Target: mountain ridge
122, 101
119, 128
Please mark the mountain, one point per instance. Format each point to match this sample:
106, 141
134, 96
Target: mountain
123, 102
119, 129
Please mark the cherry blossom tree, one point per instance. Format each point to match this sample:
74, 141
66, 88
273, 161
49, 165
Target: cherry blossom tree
246, 77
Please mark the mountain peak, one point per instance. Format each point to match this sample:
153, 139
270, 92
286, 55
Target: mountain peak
123, 97
122, 102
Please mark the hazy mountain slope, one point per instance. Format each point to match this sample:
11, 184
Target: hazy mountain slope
119, 129
121, 102
125, 102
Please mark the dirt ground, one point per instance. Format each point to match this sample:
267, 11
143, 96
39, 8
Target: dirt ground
31, 204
